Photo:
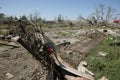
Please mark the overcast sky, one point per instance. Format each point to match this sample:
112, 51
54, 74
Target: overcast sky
49, 9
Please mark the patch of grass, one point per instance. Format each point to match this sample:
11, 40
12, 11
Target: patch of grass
65, 34
109, 65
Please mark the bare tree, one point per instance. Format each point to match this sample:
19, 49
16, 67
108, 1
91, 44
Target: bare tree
2, 15
23, 17
60, 18
81, 18
103, 14
35, 17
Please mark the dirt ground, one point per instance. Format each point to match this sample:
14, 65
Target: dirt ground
18, 64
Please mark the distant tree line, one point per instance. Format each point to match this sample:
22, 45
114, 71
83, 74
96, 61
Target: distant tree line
102, 15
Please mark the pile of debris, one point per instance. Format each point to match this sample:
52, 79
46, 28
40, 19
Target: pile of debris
44, 50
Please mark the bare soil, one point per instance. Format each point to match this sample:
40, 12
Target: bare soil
23, 66
20, 64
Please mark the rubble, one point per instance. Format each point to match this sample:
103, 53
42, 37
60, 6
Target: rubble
39, 45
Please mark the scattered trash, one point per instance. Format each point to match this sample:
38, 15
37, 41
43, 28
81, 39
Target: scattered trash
9, 75
83, 69
8, 37
2, 37
104, 30
103, 78
64, 43
102, 54
69, 52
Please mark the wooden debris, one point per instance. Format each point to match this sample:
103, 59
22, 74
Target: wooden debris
13, 44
